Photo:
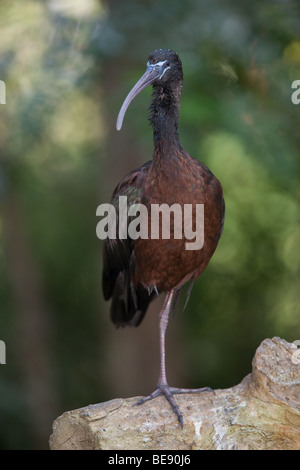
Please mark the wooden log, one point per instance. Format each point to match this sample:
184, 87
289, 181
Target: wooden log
262, 412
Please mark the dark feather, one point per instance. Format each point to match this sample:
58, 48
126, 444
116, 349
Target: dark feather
129, 300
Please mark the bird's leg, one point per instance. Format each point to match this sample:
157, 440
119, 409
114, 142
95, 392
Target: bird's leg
162, 384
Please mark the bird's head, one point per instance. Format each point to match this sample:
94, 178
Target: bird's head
163, 67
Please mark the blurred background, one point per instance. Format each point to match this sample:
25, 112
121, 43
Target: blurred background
67, 66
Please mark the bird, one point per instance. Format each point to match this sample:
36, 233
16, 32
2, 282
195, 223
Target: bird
136, 270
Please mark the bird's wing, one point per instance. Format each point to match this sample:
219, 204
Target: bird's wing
129, 301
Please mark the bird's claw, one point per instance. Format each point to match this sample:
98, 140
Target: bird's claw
168, 392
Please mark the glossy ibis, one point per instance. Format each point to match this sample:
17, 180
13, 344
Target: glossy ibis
136, 270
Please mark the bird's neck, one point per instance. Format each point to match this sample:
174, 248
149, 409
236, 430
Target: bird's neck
164, 115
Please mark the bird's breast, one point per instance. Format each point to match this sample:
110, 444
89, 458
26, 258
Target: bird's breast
185, 211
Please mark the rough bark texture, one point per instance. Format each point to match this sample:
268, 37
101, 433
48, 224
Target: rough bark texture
262, 412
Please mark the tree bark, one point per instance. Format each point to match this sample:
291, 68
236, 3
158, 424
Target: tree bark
262, 412
32, 343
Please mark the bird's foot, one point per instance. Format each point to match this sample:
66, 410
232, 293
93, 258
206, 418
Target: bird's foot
168, 392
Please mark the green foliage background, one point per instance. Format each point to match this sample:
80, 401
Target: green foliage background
67, 67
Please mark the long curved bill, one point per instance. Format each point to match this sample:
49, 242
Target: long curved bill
148, 78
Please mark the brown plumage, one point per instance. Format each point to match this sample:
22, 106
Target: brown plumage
136, 270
